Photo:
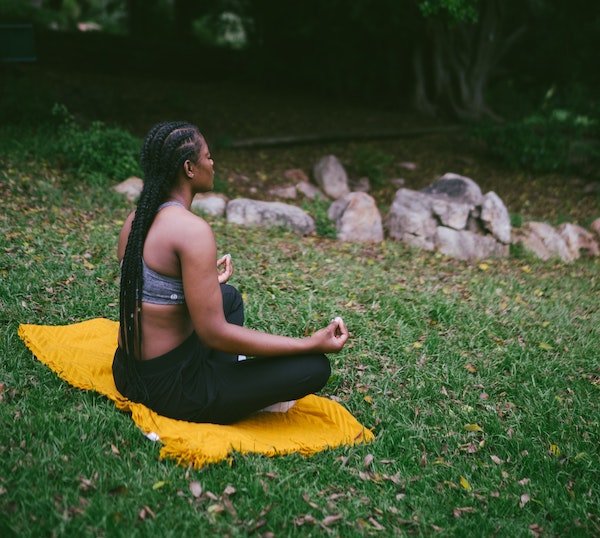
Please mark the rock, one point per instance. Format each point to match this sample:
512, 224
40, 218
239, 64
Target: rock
469, 246
331, 177
296, 175
409, 165
578, 239
210, 204
451, 216
455, 188
288, 192
248, 212
543, 240
309, 191
495, 217
357, 218
410, 219
131, 188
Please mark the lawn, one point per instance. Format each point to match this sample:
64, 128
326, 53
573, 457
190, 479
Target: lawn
480, 381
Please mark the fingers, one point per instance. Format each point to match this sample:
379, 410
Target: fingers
332, 338
340, 327
226, 266
224, 260
340, 332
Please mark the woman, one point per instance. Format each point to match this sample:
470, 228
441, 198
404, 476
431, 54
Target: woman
181, 339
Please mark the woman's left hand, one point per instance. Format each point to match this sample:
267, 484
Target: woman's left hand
225, 268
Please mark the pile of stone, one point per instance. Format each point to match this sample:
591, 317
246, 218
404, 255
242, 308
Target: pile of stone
451, 216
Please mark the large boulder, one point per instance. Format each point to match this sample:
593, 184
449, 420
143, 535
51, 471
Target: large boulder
247, 212
357, 218
451, 216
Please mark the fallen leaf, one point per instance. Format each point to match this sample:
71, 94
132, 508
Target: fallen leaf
306, 497
473, 427
195, 489
376, 524
368, 461
554, 450
524, 500
470, 368
229, 490
301, 520
159, 484
145, 512
536, 530
458, 512
547, 347
329, 520
85, 483
229, 506
216, 508
465, 484
496, 460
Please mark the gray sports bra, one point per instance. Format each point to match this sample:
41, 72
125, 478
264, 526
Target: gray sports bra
161, 289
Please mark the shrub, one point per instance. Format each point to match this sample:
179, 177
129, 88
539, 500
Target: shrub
98, 153
555, 141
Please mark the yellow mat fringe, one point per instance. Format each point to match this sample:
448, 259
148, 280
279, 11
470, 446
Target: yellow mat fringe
82, 354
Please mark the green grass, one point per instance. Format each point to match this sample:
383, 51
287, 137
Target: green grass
480, 382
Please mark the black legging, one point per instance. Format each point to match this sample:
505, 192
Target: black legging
197, 384
250, 385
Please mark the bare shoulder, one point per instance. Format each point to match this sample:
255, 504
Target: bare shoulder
188, 231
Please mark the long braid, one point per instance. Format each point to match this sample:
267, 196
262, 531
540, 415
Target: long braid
166, 147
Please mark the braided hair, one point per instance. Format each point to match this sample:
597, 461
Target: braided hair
166, 148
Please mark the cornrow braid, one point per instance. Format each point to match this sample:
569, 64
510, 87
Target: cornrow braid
166, 147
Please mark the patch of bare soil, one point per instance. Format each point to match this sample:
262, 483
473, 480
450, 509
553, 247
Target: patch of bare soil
230, 111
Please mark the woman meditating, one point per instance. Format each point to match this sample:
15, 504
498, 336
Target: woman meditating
181, 339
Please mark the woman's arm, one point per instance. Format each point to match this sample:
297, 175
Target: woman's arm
197, 251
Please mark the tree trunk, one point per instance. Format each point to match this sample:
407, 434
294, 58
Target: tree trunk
451, 77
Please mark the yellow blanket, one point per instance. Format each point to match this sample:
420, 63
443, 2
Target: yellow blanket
82, 355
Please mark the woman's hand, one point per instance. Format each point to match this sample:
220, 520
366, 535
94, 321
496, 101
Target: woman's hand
227, 268
332, 338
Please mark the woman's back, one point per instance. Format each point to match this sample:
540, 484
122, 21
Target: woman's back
164, 326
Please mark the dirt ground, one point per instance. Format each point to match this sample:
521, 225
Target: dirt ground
234, 111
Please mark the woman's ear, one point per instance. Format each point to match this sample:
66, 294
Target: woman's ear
187, 166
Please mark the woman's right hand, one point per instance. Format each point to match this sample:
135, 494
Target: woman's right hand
332, 338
